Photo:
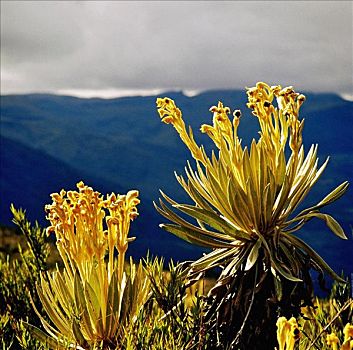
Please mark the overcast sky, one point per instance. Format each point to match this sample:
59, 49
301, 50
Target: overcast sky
110, 48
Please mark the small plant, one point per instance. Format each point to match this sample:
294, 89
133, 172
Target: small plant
328, 324
244, 210
92, 301
323, 327
17, 279
173, 317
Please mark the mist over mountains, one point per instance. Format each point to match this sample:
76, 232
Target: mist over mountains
49, 142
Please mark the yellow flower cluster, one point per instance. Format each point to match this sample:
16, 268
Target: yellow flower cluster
348, 332
332, 339
348, 337
287, 333
122, 210
77, 219
222, 127
171, 114
276, 122
94, 297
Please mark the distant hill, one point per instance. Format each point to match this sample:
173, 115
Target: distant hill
49, 142
28, 176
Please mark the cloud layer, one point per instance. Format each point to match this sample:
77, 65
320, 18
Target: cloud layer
126, 46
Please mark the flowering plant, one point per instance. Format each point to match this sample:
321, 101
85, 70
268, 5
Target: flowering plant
91, 301
244, 207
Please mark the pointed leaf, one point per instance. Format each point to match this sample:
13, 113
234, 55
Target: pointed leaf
194, 237
235, 263
43, 337
212, 259
78, 334
335, 194
278, 284
297, 242
170, 215
277, 264
253, 255
92, 302
52, 311
331, 223
81, 304
331, 197
211, 219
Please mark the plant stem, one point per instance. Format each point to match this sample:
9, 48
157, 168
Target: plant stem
248, 312
111, 262
121, 265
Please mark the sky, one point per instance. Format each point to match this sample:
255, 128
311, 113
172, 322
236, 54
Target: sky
116, 48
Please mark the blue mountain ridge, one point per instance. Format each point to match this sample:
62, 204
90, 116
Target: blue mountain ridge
49, 142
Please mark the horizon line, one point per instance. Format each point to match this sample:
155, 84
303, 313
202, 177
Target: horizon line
119, 93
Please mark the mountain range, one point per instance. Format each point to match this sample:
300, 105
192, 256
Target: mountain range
49, 142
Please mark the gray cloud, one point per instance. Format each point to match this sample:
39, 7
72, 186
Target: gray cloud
31, 31
53, 46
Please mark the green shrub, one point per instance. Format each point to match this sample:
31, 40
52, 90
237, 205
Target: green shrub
18, 278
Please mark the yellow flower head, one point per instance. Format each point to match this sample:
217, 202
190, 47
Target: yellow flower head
171, 114
294, 329
168, 111
77, 219
347, 345
332, 340
222, 127
348, 331
122, 210
287, 333
283, 328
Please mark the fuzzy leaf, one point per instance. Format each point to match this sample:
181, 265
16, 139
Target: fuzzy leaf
297, 242
77, 333
43, 337
80, 302
277, 264
211, 219
213, 259
92, 302
51, 310
335, 194
194, 237
331, 223
338, 192
253, 255
170, 215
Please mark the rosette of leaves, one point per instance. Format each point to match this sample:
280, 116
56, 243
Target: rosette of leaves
244, 211
95, 298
